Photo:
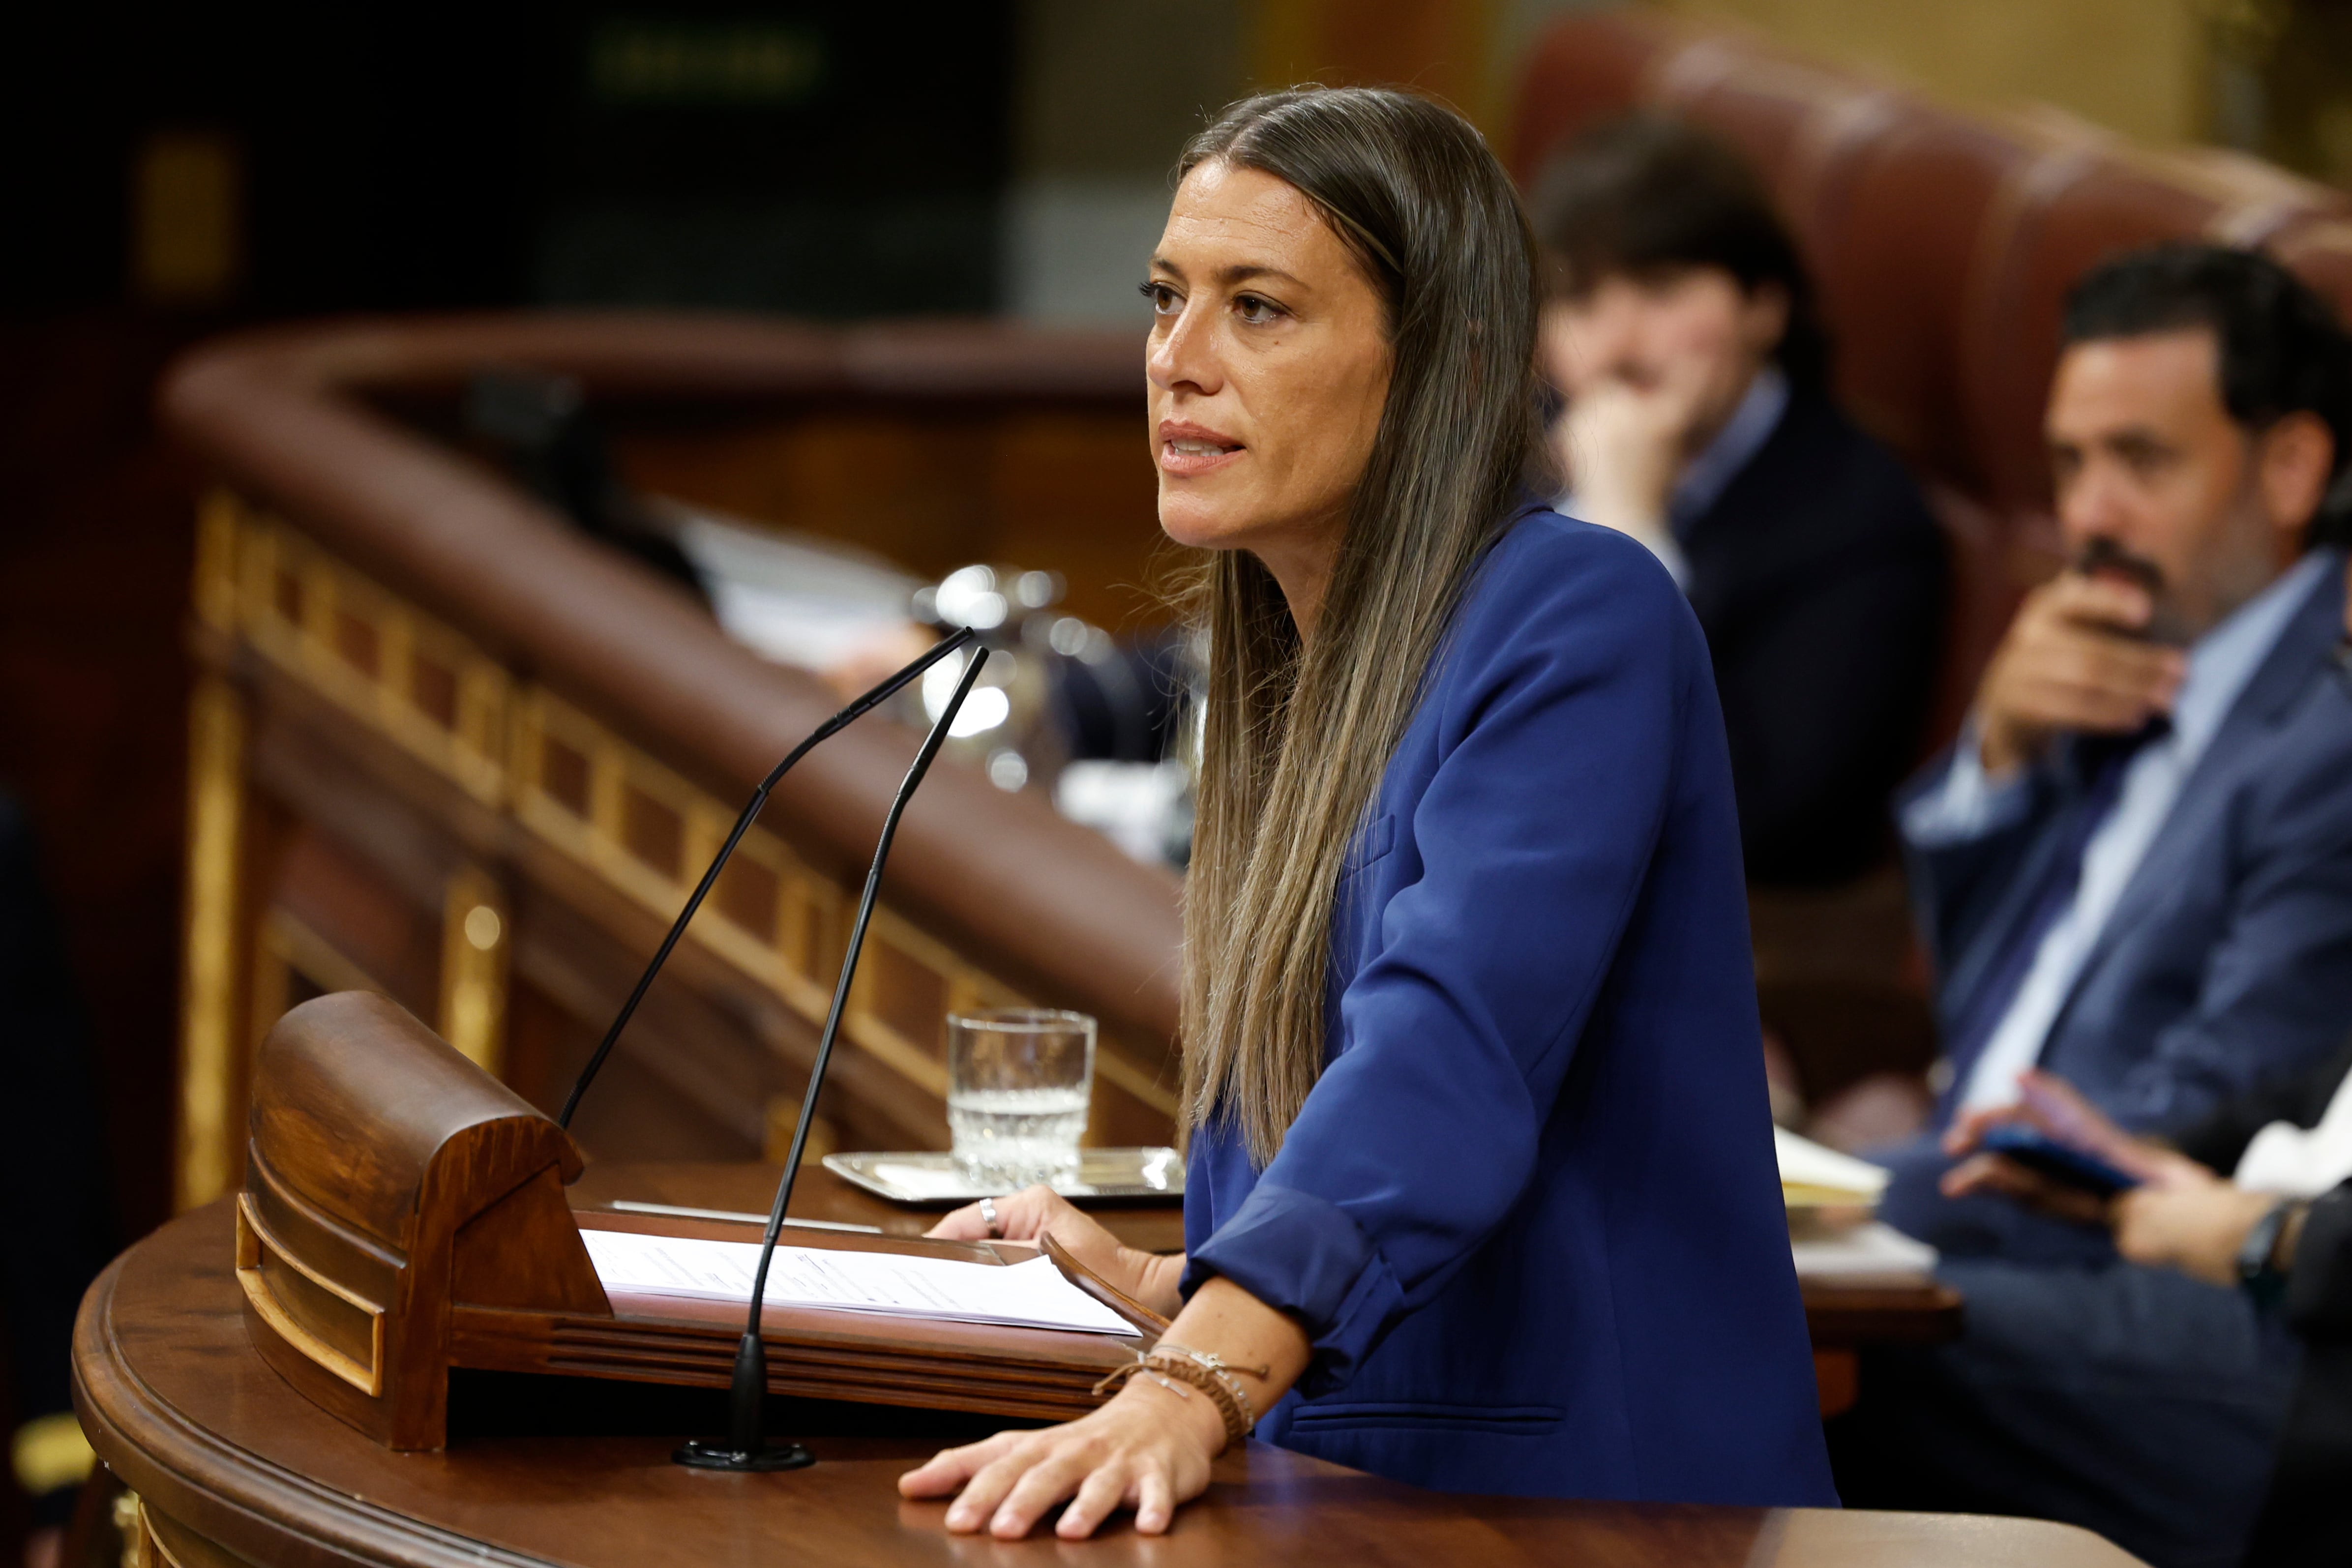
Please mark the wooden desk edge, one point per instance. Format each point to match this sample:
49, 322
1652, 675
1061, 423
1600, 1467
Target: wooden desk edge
257, 1509
248, 1504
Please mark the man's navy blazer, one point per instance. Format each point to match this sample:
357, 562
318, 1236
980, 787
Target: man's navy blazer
1820, 578
2226, 968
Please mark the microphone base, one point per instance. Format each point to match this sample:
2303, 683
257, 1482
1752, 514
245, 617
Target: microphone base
719, 1454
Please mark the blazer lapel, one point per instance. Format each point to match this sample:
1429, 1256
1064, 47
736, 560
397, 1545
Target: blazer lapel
2304, 652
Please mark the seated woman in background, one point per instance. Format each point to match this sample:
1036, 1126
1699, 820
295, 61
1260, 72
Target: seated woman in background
1699, 420
1480, 1190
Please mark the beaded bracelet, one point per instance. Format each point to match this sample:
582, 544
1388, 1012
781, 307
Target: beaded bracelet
1204, 1370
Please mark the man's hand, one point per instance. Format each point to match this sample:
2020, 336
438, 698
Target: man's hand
1624, 440
2182, 1215
1623, 448
2196, 1228
2057, 1109
2072, 659
1031, 1213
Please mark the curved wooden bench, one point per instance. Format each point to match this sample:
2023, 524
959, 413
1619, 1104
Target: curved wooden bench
425, 695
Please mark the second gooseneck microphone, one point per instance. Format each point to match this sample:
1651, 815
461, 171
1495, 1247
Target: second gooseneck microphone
745, 1447
838, 722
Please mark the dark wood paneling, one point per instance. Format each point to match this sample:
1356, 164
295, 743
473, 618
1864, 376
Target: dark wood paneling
1071, 492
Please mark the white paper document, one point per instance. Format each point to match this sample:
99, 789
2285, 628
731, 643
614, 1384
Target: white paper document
1872, 1249
1025, 1296
1819, 1170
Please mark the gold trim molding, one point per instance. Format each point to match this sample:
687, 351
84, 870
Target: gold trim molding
208, 999
474, 927
569, 782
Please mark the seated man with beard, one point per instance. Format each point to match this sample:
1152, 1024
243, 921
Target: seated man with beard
2134, 868
2135, 871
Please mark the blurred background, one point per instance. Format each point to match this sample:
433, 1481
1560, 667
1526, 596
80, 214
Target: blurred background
179, 172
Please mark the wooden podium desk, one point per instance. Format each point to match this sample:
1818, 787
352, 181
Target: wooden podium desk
748, 1187
233, 1469
1844, 1316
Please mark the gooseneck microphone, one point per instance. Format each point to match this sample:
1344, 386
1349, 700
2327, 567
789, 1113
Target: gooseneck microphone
838, 722
745, 1447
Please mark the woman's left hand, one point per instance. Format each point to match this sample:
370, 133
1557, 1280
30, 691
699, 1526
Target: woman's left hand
1035, 1212
1148, 1450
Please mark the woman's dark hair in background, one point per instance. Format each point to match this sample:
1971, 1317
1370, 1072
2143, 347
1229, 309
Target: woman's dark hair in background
1646, 196
1295, 739
2280, 347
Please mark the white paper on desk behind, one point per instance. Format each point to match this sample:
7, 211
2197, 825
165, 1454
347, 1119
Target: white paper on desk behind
1025, 1296
1876, 1248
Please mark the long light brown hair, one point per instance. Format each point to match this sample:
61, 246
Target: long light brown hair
1295, 739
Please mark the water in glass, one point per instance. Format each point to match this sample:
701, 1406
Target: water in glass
1018, 1083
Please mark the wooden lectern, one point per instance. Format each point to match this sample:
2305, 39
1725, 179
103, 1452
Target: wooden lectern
230, 1468
404, 1214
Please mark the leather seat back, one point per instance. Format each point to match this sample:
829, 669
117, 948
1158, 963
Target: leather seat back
1943, 245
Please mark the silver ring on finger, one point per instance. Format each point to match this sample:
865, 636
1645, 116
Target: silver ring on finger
988, 1218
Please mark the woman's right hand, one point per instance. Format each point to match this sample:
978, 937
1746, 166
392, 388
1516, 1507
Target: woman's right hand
1037, 1211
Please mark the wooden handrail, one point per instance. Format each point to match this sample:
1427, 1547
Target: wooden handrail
285, 417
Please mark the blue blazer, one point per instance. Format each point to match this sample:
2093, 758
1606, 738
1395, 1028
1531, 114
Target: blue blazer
1530, 1213
2226, 969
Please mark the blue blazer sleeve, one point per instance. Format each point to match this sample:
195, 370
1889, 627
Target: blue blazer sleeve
1560, 710
2271, 997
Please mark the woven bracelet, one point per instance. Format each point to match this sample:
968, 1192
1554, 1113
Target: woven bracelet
1205, 1372
1215, 1365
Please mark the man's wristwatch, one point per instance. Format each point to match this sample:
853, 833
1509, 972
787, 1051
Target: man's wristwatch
2258, 1268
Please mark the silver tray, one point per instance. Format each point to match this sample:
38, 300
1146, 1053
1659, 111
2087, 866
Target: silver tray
928, 1179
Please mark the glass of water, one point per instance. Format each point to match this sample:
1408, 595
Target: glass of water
1018, 1081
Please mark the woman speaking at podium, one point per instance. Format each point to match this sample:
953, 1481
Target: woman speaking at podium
1480, 1190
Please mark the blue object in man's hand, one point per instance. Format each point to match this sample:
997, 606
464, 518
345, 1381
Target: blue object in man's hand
2046, 1156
